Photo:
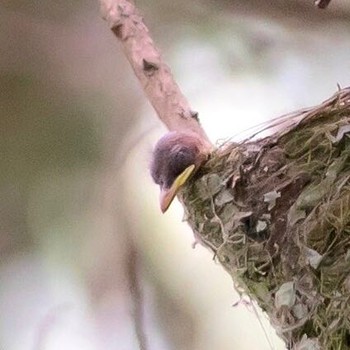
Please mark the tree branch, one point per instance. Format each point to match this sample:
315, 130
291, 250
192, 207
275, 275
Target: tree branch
154, 75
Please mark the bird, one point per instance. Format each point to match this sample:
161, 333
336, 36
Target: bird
176, 158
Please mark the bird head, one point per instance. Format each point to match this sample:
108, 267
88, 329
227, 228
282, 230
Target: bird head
176, 157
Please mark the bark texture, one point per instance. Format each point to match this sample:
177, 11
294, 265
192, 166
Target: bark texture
276, 213
153, 74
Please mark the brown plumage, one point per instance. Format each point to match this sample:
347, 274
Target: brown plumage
176, 157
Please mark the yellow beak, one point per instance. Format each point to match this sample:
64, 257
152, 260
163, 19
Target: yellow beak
168, 195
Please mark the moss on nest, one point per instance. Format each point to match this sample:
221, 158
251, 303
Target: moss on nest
276, 212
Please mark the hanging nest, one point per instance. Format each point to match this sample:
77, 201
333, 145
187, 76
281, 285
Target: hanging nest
276, 213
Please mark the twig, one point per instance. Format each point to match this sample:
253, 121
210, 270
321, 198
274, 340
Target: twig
154, 75
136, 292
47, 324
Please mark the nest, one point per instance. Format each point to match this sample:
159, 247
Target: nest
276, 213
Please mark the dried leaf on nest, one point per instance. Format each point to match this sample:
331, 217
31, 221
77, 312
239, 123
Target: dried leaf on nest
285, 295
270, 198
277, 214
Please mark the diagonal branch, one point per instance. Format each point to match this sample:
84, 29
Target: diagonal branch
154, 75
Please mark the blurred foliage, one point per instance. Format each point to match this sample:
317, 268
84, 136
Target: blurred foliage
49, 10
42, 129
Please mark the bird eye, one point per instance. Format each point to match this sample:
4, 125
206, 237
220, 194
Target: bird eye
182, 160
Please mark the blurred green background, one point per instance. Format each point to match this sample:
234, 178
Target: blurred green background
76, 139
